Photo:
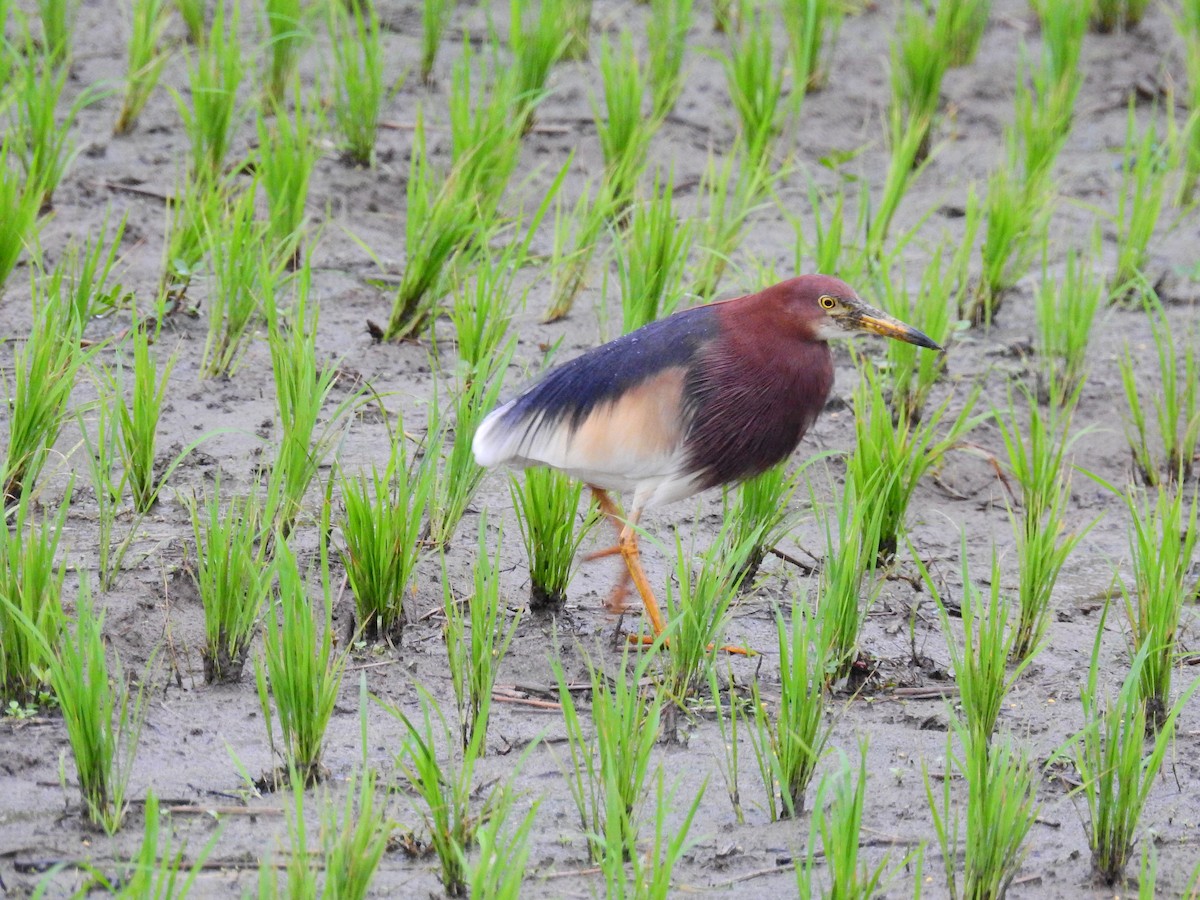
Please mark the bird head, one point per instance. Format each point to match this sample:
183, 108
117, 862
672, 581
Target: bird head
833, 309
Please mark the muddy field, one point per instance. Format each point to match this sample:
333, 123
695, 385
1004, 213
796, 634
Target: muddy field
198, 738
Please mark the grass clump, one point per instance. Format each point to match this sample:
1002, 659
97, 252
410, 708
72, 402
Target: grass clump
576, 237
146, 56
547, 504
1066, 310
812, 28
287, 155
1140, 200
137, 419
19, 206
435, 16
355, 841
357, 77
666, 38
1114, 15
233, 574
286, 36
624, 130
651, 255
728, 202
919, 64
215, 73
755, 82
759, 517
536, 46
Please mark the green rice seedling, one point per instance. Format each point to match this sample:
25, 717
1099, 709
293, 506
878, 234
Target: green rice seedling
852, 539
980, 665
837, 819
755, 80
1066, 310
146, 58
651, 254
699, 612
1038, 462
44, 370
727, 15
788, 744
919, 63
101, 445
1187, 26
1176, 404
244, 279
1143, 190
475, 661
460, 476
929, 308
666, 38
196, 202
908, 137
901, 451
547, 504
1001, 809
157, 868
499, 868
1111, 15
440, 226
299, 865
1017, 218
58, 25
41, 142
304, 669
286, 36
482, 310
1163, 539
287, 155
829, 220
759, 517
192, 12
1063, 28
354, 841
102, 713
302, 388
812, 28
624, 130
357, 77
578, 17
959, 26
215, 72
19, 206
1044, 112
607, 772
81, 283
137, 420
728, 718
435, 16
485, 135
576, 237
536, 46
1116, 767
31, 614
233, 574
446, 789
381, 531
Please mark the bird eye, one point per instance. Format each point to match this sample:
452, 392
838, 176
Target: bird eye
827, 302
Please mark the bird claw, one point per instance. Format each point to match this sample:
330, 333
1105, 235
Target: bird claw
646, 640
616, 603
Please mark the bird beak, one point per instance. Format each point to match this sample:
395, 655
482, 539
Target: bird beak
876, 321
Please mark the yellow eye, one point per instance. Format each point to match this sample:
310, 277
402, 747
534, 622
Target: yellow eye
827, 302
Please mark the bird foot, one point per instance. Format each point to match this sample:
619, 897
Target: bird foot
616, 602
615, 550
646, 640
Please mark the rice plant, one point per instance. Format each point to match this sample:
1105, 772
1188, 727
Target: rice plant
578, 16
755, 79
58, 24
31, 615
1066, 309
1112, 15
1038, 462
1176, 404
1064, 26
192, 12
899, 452
100, 442
837, 820
758, 518
852, 552
576, 237
286, 36
536, 46
355, 840
552, 530
357, 77
812, 28
1115, 766
19, 206
287, 155
82, 284
233, 574
215, 72
435, 16
789, 743
608, 770
482, 310
381, 533
1044, 110
157, 868
305, 671
103, 715
1001, 809
138, 417
44, 370
1144, 168
298, 863
1187, 26
146, 58
1163, 541
728, 202
919, 62
500, 866
244, 278
195, 203
474, 661
959, 25
651, 254
908, 139
445, 788
666, 38
624, 130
